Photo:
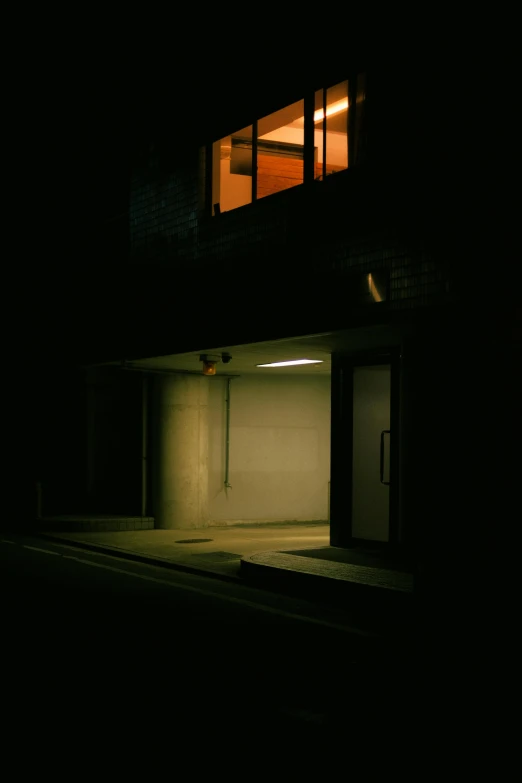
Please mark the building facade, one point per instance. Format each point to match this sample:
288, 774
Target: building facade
317, 222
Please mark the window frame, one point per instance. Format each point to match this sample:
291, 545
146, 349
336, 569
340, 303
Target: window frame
309, 131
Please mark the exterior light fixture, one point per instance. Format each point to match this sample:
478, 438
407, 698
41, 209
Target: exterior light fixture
209, 363
374, 291
293, 361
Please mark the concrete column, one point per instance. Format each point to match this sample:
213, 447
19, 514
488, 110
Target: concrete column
180, 451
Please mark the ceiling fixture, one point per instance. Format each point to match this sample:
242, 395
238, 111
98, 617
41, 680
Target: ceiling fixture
210, 360
293, 361
209, 363
333, 108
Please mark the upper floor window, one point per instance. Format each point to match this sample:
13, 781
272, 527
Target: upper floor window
271, 155
280, 150
232, 171
331, 130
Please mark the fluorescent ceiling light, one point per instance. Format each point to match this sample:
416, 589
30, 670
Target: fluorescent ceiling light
294, 361
333, 108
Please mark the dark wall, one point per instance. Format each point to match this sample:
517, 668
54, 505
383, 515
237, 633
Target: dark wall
44, 441
310, 242
114, 435
61, 441
139, 190
462, 391
78, 437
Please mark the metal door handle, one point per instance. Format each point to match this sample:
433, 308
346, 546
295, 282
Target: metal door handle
381, 466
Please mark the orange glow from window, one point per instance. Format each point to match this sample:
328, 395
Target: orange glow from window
334, 108
373, 290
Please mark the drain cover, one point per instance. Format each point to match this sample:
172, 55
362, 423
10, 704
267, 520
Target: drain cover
193, 540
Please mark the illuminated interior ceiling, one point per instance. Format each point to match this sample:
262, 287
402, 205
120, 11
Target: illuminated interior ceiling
336, 121
245, 358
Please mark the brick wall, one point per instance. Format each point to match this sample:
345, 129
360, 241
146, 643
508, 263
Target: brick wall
329, 231
164, 207
313, 242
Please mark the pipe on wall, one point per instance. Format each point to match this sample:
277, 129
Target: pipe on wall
144, 444
227, 436
144, 456
227, 483
38, 499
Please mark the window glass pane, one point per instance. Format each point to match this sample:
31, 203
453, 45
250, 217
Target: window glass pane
337, 128
360, 120
280, 150
318, 134
232, 171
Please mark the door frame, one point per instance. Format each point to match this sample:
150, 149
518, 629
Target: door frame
341, 448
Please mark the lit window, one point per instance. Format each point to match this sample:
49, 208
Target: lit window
280, 150
277, 142
331, 130
360, 120
232, 171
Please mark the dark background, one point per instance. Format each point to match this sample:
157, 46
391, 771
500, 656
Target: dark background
93, 105
89, 98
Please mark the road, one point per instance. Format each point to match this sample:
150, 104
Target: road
115, 651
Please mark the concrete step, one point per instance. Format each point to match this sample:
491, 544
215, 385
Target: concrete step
373, 596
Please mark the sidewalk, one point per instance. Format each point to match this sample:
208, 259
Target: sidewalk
294, 559
213, 550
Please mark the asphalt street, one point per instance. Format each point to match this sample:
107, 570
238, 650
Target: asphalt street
110, 651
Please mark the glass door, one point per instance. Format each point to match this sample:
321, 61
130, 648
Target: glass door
370, 517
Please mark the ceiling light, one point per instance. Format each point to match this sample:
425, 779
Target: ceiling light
294, 361
333, 108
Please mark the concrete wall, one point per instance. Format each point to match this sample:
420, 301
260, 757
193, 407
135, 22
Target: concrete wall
279, 449
179, 451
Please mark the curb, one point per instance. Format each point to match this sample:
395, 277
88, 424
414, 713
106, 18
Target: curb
387, 608
293, 584
138, 557
368, 615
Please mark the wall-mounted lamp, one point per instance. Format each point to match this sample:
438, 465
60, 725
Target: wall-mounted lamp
209, 363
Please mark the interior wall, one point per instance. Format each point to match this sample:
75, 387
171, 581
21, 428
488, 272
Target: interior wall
274, 174
235, 189
336, 142
279, 466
